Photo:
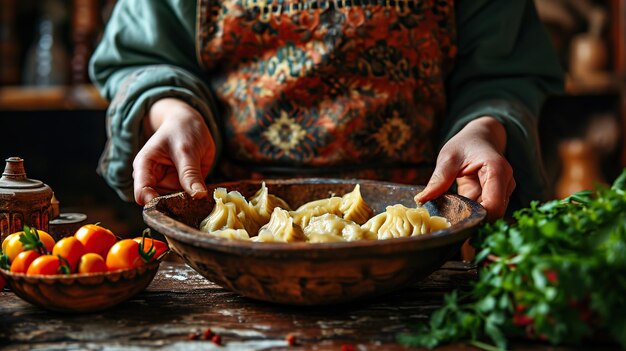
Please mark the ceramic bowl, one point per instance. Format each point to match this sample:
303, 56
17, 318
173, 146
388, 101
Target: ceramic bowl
306, 273
77, 293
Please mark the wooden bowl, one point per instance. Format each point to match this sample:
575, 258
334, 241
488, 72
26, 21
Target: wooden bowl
320, 273
86, 292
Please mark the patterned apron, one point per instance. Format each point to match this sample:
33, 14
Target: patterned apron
348, 88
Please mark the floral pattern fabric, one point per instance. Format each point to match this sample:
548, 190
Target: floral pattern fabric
329, 83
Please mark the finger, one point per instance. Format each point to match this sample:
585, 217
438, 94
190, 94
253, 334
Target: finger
509, 190
511, 187
190, 176
146, 194
469, 186
440, 181
495, 180
472, 194
167, 180
144, 182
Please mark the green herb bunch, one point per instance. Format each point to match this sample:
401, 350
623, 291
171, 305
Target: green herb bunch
556, 273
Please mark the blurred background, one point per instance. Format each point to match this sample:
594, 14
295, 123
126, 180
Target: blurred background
50, 115
53, 118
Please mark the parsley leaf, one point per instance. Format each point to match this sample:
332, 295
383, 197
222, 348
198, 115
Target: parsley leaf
557, 273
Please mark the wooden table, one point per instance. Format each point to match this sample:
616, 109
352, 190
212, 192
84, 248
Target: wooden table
180, 302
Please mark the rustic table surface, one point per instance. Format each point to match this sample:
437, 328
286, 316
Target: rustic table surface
180, 305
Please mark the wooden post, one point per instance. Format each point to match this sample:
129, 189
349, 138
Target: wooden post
618, 38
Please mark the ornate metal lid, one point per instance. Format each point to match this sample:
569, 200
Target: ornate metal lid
14, 176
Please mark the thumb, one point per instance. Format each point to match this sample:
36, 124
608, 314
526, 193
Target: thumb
440, 181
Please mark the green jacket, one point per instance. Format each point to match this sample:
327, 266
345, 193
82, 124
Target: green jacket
505, 68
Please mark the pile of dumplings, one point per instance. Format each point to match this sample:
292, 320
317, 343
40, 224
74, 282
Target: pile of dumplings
267, 218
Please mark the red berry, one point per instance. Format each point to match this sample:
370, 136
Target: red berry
216, 339
291, 339
552, 276
521, 320
207, 334
347, 347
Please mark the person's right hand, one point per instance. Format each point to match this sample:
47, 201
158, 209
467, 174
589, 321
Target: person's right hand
178, 154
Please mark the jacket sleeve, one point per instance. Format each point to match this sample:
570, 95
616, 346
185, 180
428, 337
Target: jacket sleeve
505, 68
147, 52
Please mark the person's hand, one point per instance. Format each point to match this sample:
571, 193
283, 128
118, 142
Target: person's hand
178, 154
474, 158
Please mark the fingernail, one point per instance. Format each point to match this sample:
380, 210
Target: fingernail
147, 198
198, 190
417, 198
147, 194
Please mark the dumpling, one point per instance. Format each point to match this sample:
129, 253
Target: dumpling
333, 225
223, 216
280, 228
354, 208
233, 234
399, 221
324, 238
264, 203
303, 214
246, 213
267, 218
438, 223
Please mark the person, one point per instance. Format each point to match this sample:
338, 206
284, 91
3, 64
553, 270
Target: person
431, 92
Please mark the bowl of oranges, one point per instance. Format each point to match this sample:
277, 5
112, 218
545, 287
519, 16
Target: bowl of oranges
89, 271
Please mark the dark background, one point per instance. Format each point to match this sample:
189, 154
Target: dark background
62, 148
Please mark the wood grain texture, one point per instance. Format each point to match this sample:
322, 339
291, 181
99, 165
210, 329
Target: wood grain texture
179, 301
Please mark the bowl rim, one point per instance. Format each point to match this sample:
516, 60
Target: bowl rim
83, 278
160, 222
83, 292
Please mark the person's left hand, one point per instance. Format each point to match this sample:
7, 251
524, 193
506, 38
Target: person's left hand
474, 158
